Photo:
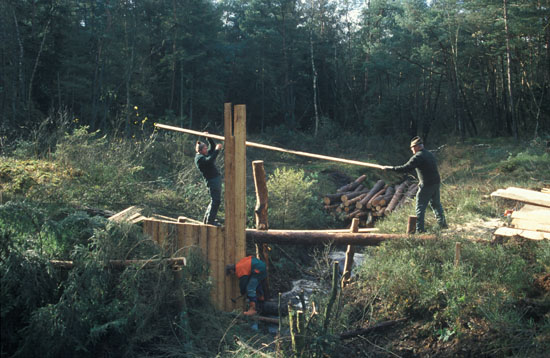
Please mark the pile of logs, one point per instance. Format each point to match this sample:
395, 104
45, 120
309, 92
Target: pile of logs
356, 200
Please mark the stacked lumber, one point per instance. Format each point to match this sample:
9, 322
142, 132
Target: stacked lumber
532, 221
357, 200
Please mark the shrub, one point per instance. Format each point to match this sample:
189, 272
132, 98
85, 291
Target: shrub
419, 279
292, 200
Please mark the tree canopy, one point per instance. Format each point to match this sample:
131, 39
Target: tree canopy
432, 68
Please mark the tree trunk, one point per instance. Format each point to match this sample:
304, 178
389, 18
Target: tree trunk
288, 237
509, 73
313, 72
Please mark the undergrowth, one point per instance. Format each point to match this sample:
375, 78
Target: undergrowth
49, 183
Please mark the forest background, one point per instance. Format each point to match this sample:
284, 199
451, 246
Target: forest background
376, 67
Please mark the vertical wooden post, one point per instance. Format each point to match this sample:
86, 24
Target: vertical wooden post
260, 214
239, 131
411, 225
235, 193
457, 253
260, 211
349, 255
229, 240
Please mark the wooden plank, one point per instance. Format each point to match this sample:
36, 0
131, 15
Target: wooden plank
124, 214
527, 234
155, 231
540, 218
147, 227
524, 195
220, 244
212, 259
533, 212
269, 147
161, 234
229, 241
180, 240
203, 241
531, 225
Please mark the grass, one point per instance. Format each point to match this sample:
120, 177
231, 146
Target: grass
492, 304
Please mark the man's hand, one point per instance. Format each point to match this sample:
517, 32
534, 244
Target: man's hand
219, 146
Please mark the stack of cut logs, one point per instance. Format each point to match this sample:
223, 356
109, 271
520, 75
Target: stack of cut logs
355, 200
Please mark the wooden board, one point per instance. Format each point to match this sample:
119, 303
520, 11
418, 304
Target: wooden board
527, 234
128, 214
524, 195
528, 224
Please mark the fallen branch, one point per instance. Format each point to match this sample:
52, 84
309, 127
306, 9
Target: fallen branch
368, 330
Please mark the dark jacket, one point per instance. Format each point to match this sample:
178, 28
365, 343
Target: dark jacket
426, 167
207, 163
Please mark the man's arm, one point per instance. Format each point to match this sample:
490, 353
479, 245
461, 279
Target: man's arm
410, 165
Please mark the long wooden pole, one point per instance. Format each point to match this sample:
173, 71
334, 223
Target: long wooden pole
269, 147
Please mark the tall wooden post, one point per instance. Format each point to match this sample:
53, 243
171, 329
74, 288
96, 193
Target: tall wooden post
235, 193
260, 214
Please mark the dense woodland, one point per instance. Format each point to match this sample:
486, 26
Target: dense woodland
376, 67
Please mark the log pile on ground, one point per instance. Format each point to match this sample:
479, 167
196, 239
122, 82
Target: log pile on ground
357, 200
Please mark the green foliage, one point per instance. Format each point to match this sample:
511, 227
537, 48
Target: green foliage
93, 310
292, 200
419, 280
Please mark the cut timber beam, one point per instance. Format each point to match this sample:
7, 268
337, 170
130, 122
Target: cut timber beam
269, 147
288, 237
527, 234
524, 195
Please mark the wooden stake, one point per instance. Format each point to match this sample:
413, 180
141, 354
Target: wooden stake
411, 225
457, 254
349, 255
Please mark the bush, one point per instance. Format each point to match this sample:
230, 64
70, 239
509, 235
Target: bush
93, 311
293, 202
419, 280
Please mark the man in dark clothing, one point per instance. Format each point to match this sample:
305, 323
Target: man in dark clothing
205, 161
251, 273
429, 182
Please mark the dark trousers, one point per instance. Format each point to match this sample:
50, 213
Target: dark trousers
428, 195
215, 187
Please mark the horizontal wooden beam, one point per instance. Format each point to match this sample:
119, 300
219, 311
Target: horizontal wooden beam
176, 261
269, 147
290, 237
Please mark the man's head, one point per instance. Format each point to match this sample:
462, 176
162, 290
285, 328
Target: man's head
416, 144
201, 148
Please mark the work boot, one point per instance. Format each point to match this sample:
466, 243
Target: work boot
251, 309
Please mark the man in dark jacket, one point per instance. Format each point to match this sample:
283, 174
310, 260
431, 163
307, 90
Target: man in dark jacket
251, 273
205, 161
429, 182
